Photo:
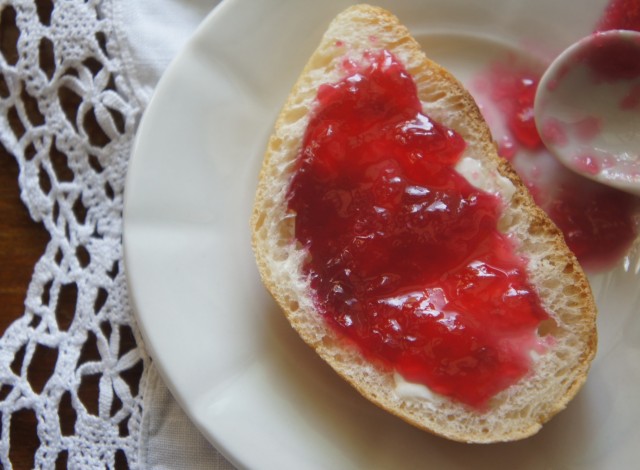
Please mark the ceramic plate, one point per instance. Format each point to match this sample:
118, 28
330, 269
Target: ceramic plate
241, 374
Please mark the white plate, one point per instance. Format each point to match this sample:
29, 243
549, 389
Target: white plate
243, 376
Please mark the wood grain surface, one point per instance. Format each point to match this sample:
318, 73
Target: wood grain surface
22, 241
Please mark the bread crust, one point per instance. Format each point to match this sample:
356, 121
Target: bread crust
515, 413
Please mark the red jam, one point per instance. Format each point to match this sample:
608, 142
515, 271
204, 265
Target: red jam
612, 60
598, 225
515, 94
405, 258
598, 222
621, 14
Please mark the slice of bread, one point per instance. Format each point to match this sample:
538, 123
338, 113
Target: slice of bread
557, 374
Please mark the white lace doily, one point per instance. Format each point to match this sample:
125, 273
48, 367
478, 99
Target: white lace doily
68, 117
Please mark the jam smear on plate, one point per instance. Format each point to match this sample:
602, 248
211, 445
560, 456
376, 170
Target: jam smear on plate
599, 223
404, 255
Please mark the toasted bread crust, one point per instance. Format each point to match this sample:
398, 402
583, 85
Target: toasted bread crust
520, 410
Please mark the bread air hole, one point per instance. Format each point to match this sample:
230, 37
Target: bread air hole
571, 290
551, 284
562, 373
286, 229
505, 223
321, 61
536, 227
547, 327
433, 95
295, 114
275, 145
259, 221
280, 255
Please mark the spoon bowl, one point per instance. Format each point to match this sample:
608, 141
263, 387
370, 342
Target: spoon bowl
587, 108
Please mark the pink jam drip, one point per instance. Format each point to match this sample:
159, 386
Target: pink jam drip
513, 92
405, 258
558, 132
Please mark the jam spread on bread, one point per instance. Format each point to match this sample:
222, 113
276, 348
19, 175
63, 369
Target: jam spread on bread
404, 255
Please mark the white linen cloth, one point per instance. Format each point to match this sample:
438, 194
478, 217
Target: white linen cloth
154, 31
168, 440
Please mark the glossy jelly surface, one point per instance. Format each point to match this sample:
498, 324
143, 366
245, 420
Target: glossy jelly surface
404, 255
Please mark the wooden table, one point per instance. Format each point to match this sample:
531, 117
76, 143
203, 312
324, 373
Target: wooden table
21, 243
